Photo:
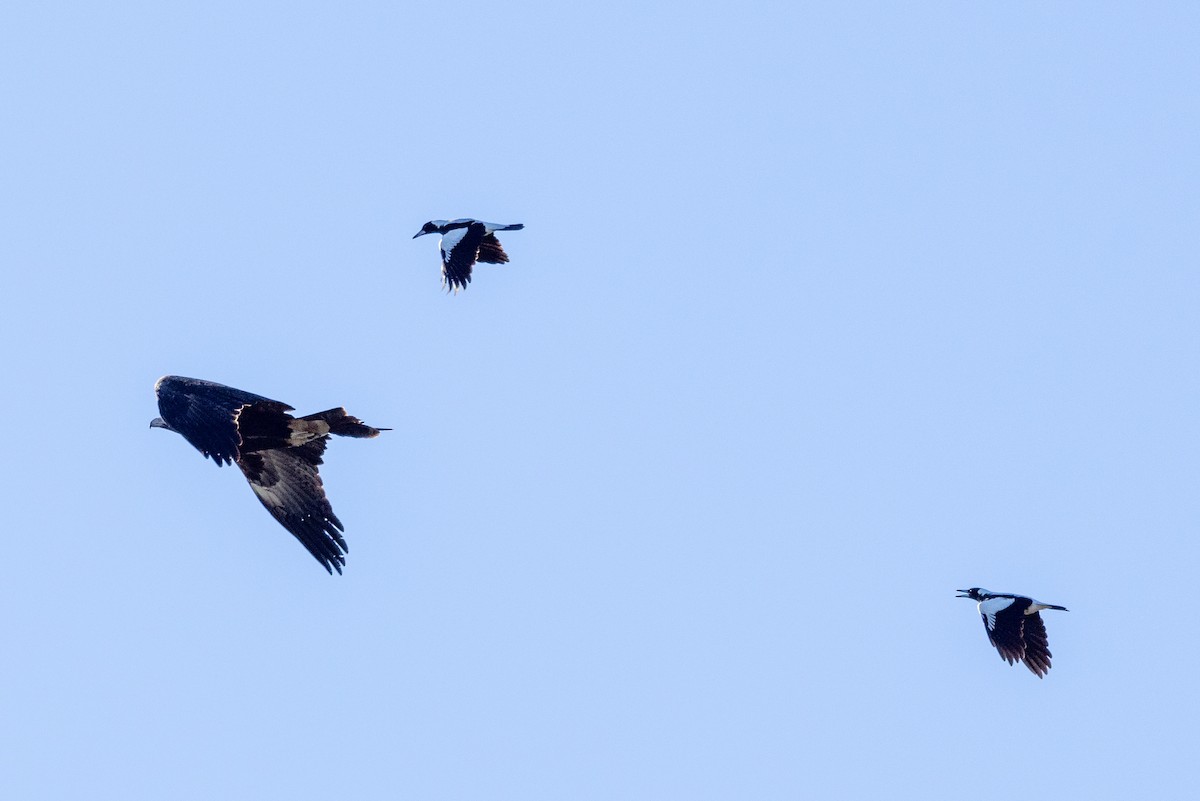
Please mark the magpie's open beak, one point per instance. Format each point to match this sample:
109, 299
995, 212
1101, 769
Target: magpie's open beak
965, 594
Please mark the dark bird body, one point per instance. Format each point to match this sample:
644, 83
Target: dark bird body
1014, 627
465, 242
278, 453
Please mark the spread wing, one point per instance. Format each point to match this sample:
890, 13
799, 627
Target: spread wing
460, 247
1005, 632
287, 483
205, 413
491, 252
1037, 645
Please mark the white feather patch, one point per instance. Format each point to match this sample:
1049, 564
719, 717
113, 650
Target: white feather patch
991, 607
449, 240
267, 495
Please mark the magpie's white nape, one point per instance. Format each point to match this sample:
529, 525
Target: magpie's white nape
464, 242
1014, 627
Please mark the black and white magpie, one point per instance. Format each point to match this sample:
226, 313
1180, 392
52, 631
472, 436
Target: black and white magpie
463, 243
1014, 627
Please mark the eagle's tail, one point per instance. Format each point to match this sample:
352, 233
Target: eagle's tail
344, 425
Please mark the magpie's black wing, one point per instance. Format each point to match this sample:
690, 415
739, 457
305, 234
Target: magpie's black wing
1037, 645
460, 247
1006, 633
205, 413
490, 251
287, 483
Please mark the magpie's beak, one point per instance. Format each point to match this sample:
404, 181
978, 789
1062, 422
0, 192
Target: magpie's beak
965, 594
418, 233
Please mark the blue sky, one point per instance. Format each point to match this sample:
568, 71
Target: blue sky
820, 313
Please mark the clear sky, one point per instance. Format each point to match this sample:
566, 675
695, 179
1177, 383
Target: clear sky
821, 312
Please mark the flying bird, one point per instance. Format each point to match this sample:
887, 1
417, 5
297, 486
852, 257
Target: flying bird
465, 242
278, 453
1014, 626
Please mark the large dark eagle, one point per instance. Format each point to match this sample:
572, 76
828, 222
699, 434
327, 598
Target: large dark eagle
278, 453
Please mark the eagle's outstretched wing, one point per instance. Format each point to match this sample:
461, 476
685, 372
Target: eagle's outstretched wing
205, 413
287, 483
